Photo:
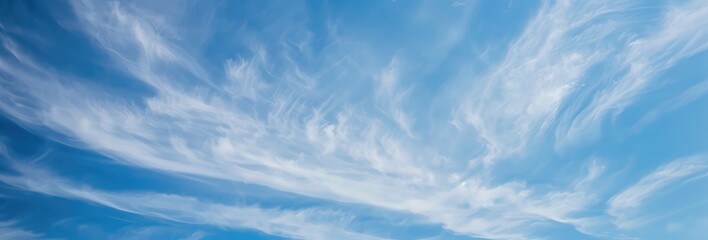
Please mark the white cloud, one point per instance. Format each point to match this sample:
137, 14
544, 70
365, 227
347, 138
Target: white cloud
9, 231
689, 95
519, 100
346, 155
300, 134
623, 205
309, 223
245, 75
681, 34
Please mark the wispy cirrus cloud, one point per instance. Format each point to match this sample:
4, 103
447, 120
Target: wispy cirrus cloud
473, 206
622, 206
9, 231
336, 123
300, 223
519, 100
681, 34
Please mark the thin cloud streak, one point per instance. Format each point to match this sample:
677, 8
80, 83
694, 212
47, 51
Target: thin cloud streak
301, 224
621, 205
9, 231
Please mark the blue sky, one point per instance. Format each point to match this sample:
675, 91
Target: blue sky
354, 119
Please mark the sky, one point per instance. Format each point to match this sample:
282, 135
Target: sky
366, 119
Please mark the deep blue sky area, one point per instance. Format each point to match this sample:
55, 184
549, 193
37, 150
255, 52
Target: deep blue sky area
451, 119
